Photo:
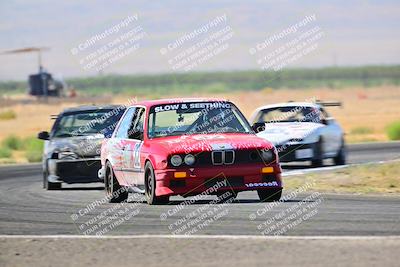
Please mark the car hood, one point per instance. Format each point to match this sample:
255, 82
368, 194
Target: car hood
283, 132
83, 146
209, 142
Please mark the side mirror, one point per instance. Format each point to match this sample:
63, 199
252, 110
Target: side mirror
258, 127
327, 121
43, 135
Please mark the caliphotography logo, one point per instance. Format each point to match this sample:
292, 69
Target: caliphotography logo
199, 133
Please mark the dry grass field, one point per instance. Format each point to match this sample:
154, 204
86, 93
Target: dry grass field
364, 115
362, 179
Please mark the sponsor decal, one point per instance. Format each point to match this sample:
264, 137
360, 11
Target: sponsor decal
136, 155
200, 105
265, 184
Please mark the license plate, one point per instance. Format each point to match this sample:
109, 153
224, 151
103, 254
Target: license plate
304, 153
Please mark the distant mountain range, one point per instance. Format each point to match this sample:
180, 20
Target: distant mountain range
354, 33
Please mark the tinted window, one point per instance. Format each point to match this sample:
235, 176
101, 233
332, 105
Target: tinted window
87, 122
136, 131
196, 118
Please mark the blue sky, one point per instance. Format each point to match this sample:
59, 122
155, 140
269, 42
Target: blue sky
355, 32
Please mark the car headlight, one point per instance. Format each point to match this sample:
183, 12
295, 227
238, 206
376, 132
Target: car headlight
267, 155
176, 160
189, 159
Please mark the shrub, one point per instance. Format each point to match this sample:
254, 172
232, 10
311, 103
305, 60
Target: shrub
393, 130
33, 149
5, 152
8, 115
362, 130
12, 142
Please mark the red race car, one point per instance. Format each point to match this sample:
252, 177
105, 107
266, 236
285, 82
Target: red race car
187, 147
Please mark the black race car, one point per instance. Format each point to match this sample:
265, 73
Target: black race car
72, 148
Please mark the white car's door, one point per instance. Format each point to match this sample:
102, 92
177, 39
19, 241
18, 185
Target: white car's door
332, 134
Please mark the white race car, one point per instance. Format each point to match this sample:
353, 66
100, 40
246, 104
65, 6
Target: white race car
301, 131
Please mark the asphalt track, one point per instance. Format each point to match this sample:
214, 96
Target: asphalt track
199, 251
25, 208
72, 227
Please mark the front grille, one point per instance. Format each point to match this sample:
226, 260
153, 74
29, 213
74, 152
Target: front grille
203, 158
229, 157
248, 156
78, 168
217, 157
226, 157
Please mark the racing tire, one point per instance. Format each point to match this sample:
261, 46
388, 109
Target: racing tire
114, 192
150, 187
340, 159
49, 185
269, 195
317, 160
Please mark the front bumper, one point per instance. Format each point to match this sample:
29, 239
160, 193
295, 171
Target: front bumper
74, 171
214, 180
295, 152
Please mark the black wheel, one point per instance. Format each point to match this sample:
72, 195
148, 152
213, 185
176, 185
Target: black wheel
317, 160
340, 159
49, 185
53, 186
114, 192
269, 195
150, 187
224, 197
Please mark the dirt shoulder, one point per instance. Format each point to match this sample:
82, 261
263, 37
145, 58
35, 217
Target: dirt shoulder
374, 178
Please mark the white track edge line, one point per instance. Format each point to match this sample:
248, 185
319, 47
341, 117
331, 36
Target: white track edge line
332, 168
202, 237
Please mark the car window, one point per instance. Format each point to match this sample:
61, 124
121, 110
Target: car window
125, 125
136, 129
289, 114
87, 122
196, 118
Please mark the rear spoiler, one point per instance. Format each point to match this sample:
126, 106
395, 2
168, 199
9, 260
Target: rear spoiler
329, 103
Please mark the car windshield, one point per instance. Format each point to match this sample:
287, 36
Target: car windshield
196, 118
289, 114
87, 122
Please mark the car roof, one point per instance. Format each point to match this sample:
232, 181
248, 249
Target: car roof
91, 108
290, 104
150, 103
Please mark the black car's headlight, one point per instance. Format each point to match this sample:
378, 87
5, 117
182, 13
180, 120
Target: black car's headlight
54, 155
176, 160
